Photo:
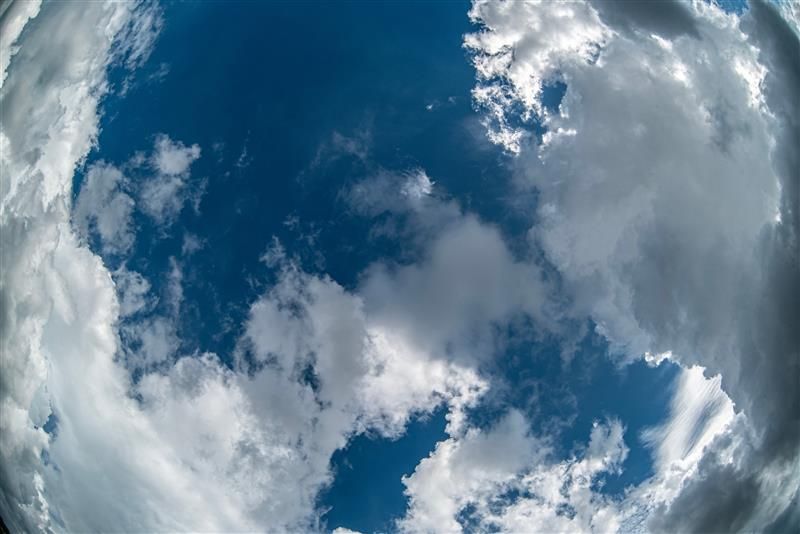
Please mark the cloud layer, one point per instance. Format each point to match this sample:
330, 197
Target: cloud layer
667, 207
668, 203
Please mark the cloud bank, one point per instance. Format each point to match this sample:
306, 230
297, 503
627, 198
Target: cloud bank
668, 203
667, 186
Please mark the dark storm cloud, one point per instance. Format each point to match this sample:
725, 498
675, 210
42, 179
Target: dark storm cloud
667, 18
777, 309
719, 501
723, 498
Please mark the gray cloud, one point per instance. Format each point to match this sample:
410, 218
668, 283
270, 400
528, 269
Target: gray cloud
668, 18
669, 206
768, 334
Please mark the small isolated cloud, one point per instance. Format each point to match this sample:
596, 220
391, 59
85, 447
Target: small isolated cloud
173, 158
191, 244
104, 208
386, 191
466, 282
338, 146
164, 195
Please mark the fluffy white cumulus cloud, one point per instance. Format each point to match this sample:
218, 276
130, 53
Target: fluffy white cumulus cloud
505, 479
667, 183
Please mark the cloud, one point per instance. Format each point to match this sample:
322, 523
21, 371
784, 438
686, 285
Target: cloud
133, 292
464, 469
193, 444
368, 375
191, 244
466, 282
105, 205
700, 410
459, 282
13, 18
519, 51
563, 496
391, 192
173, 158
669, 205
103, 208
49, 97
342, 146
669, 19
163, 196
184, 443
504, 478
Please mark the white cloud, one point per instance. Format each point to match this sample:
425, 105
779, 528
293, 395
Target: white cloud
51, 306
105, 209
563, 498
175, 287
465, 469
132, 292
196, 446
700, 410
658, 180
417, 186
105, 204
164, 195
13, 18
522, 48
173, 158
466, 281
191, 244
156, 341
392, 192
476, 473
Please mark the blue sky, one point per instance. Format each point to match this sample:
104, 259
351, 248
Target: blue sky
380, 267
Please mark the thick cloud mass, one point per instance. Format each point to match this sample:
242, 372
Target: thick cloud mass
667, 192
668, 200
